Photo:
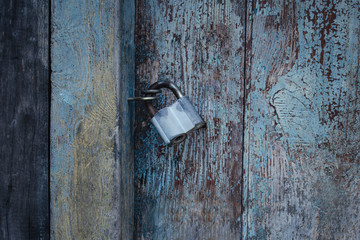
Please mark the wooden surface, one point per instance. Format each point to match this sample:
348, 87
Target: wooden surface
191, 191
24, 119
92, 52
290, 67
302, 121
301, 145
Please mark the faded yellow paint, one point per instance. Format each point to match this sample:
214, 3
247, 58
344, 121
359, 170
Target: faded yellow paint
94, 160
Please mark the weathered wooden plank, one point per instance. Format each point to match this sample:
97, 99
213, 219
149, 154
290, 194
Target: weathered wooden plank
302, 121
24, 117
91, 121
191, 191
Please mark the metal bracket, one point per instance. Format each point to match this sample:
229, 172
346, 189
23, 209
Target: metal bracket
146, 98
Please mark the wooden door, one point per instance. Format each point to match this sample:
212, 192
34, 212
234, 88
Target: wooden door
276, 81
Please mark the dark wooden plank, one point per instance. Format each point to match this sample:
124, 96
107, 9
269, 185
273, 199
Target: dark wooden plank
24, 117
91, 120
191, 191
302, 162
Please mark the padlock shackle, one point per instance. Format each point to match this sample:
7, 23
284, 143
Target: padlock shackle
162, 84
169, 85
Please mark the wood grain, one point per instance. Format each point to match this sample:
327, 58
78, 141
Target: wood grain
193, 190
24, 118
302, 121
91, 134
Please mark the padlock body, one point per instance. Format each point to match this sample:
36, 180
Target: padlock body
175, 121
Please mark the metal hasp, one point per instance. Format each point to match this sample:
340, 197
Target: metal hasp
177, 120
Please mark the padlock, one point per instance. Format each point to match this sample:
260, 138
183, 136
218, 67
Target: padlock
177, 120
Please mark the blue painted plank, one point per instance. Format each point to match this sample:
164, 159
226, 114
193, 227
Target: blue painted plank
302, 121
191, 191
92, 52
